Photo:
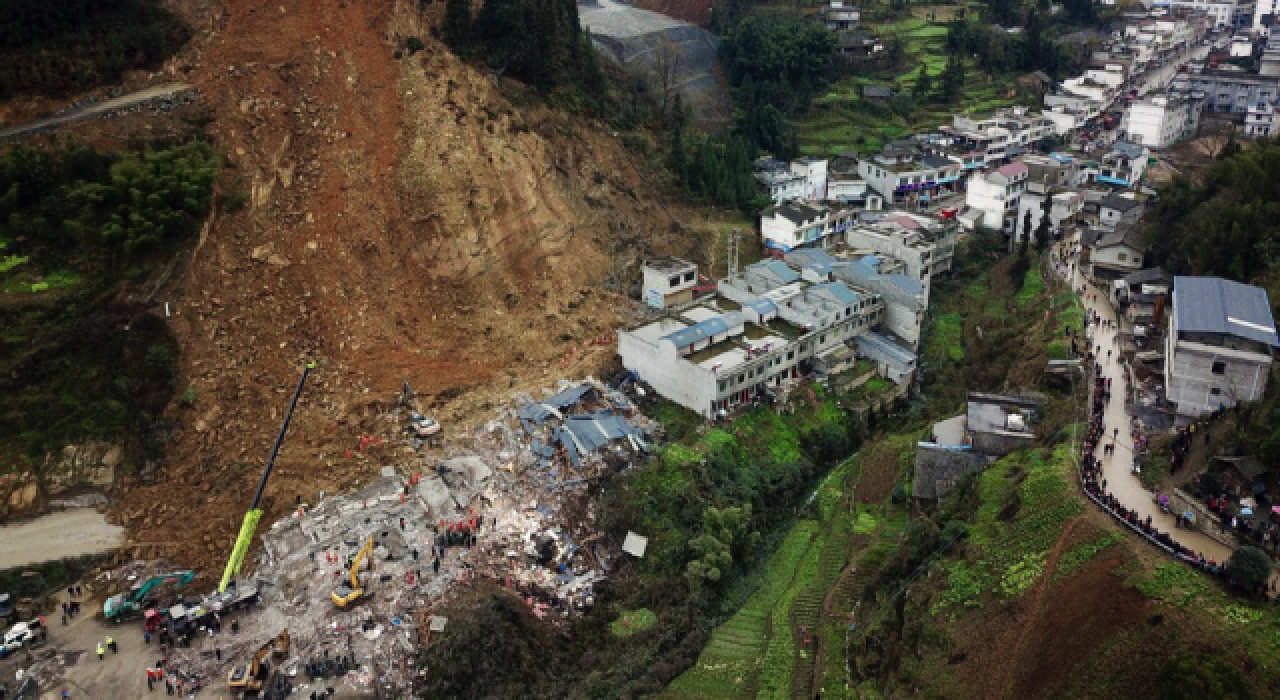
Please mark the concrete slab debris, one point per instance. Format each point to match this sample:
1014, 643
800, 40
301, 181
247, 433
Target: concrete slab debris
635, 545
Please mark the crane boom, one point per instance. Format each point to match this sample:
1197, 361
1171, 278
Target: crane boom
254, 514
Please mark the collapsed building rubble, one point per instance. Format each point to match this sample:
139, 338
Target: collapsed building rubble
510, 503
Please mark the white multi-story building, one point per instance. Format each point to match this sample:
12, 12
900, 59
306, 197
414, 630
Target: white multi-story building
1161, 120
803, 178
996, 195
792, 225
904, 173
840, 17
924, 244
1260, 121
1123, 165
1262, 12
905, 299
1220, 344
762, 331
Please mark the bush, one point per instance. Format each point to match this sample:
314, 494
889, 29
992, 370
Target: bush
1250, 567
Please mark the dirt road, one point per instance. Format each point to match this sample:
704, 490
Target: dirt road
123, 102
57, 535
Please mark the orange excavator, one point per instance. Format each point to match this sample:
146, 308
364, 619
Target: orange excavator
350, 592
249, 679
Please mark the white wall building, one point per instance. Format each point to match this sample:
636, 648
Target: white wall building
708, 358
1160, 121
996, 195
799, 224
1220, 343
667, 281
924, 244
1260, 121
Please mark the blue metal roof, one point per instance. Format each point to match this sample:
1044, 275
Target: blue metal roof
838, 291
905, 283
819, 261
761, 306
1215, 305
703, 329
569, 396
777, 268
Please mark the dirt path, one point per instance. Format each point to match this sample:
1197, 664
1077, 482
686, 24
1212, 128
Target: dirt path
70, 533
1034, 601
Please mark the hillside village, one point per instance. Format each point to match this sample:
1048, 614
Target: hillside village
568, 425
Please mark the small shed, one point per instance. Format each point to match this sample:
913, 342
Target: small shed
877, 92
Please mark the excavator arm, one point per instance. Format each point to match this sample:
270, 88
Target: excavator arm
350, 592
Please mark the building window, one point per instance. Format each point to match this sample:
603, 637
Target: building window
1215, 391
1219, 368
791, 355
724, 385
675, 281
1122, 257
688, 276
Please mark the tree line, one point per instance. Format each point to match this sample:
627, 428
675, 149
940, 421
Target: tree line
59, 47
539, 42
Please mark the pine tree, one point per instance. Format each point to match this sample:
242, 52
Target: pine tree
1042, 231
456, 26
924, 85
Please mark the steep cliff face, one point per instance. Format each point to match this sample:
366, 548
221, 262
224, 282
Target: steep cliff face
405, 220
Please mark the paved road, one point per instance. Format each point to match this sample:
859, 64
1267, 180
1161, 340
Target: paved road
69, 533
1116, 467
132, 99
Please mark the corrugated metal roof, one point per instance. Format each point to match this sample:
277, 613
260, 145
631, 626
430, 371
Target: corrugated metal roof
776, 268
763, 307
837, 291
1013, 169
1215, 305
704, 329
889, 348
817, 260
905, 283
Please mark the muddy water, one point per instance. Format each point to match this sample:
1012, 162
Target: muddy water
1116, 467
69, 533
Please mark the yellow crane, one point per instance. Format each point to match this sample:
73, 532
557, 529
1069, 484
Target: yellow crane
254, 514
350, 592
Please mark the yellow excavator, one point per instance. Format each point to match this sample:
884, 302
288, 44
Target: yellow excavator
351, 592
249, 680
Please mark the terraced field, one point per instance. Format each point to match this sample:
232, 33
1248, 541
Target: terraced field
841, 120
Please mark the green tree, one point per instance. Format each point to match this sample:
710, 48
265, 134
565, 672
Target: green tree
724, 537
923, 85
953, 78
1250, 567
456, 27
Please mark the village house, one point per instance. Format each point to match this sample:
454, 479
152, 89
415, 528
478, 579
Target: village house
1115, 211
998, 424
667, 281
905, 299
996, 195
1220, 343
924, 244
1139, 293
791, 225
1117, 254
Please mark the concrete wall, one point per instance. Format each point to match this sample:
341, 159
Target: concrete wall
1000, 444
1190, 382
662, 368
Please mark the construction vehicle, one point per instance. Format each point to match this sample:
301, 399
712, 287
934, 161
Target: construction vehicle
247, 528
352, 591
249, 679
135, 599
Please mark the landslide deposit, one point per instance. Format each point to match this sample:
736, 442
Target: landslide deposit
403, 219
